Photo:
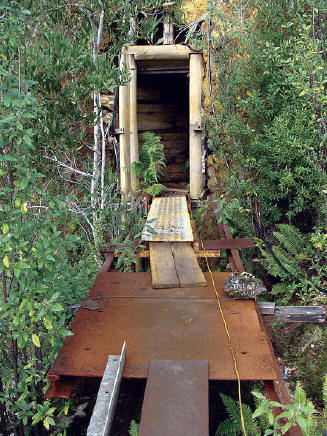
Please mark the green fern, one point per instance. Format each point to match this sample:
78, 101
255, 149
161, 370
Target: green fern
291, 250
133, 428
232, 425
155, 189
149, 168
283, 292
291, 239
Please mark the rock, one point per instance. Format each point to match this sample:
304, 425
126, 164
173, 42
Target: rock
211, 159
244, 286
211, 171
212, 183
108, 101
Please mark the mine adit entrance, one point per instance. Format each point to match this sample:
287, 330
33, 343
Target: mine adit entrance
163, 95
163, 108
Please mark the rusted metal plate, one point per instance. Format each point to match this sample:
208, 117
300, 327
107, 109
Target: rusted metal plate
174, 324
169, 221
219, 244
176, 399
129, 284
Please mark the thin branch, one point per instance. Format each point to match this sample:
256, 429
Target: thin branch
73, 170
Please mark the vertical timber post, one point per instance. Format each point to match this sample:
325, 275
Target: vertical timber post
133, 132
168, 30
196, 73
124, 150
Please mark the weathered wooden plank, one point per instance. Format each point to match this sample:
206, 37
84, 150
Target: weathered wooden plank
160, 52
168, 220
133, 125
200, 253
147, 94
153, 108
168, 29
272, 313
266, 308
188, 270
176, 399
315, 314
196, 73
175, 65
125, 184
162, 263
161, 121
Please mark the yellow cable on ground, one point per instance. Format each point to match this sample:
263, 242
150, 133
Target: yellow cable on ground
229, 341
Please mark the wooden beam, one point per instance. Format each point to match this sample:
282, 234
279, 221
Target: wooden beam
133, 129
272, 313
159, 52
124, 136
196, 74
200, 253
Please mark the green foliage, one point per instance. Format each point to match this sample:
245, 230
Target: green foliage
301, 412
232, 426
151, 163
53, 225
270, 97
134, 428
129, 229
305, 257
39, 281
155, 189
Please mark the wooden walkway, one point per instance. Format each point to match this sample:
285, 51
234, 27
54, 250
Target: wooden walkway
174, 265
172, 259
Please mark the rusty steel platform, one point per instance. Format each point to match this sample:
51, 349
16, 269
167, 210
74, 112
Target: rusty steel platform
163, 324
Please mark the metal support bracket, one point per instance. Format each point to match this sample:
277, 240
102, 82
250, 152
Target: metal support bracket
196, 127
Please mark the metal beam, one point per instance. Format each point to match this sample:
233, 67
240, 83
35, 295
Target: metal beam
105, 405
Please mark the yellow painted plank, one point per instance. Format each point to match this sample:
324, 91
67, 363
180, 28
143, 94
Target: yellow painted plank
168, 220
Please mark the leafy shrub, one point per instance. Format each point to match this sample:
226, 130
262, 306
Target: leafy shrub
301, 412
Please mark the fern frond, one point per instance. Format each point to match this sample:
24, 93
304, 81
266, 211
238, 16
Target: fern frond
155, 189
233, 423
228, 428
300, 397
133, 428
291, 239
232, 408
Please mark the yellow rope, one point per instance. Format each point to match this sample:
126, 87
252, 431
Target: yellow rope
229, 341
